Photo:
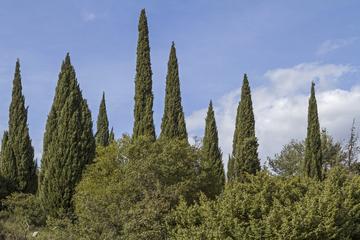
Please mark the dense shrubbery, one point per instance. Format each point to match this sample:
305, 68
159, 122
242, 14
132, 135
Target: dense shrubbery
270, 207
129, 192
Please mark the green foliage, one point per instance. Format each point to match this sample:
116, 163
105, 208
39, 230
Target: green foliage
131, 188
18, 154
173, 121
23, 214
102, 134
68, 144
289, 161
313, 153
8, 166
244, 157
211, 167
143, 113
266, 207
111, 136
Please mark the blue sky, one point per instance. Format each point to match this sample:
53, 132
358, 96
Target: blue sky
282, 45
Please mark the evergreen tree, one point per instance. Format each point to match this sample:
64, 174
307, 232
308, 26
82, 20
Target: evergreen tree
112, 136
143, 112
8, 168
173, 121
313, 153
69, 144
102, 134
244, 156
19, 138
212, 169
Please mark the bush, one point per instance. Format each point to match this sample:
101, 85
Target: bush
21, 216
268, 207
131, 188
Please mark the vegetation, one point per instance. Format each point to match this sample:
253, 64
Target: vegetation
69, 144
244, 157
102, 135
143, 187
173, 121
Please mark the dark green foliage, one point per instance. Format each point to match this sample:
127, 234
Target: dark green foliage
173, 121
111, 136
244, 156
22, 215
19, 153
68, 144
211, 166
313, 153
8, 168
130, 189
143, 112
102, 134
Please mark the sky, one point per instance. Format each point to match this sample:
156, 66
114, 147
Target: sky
282, 46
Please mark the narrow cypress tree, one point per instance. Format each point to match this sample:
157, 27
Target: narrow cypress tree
244, 156
102, 134
212, 169
313, 154
69, 144
112, 136
143, 112
173, 121
19, 138
8, 168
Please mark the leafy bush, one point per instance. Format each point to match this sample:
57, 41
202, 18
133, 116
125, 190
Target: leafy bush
268, 207
21, 216
131, 188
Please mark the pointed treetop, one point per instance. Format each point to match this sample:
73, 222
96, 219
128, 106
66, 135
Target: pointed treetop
102, 134
143, 110
212, 169
173, 121
313, 152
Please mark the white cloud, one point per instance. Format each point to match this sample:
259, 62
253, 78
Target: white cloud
332, 45
88, 16
282, 115
289, 80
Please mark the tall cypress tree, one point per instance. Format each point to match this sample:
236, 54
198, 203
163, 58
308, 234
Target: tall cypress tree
8, 168
212, 169
69, 144
173, 121
19, 138
102, 134
244, 156
143, 110
313, 154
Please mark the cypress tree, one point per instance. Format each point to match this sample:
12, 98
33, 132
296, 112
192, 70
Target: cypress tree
112, 136
19, 138
102, 134
313, 153
8, 168
69, 144
212, 169
173, 121
143, 112
244, 156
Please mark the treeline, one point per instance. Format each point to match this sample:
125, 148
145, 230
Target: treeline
144, 186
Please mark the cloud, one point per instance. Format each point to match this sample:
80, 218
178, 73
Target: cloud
297, 78
282, 115
88, 16
332, 45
